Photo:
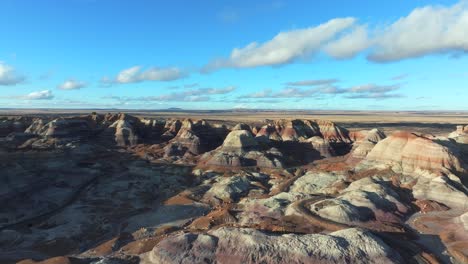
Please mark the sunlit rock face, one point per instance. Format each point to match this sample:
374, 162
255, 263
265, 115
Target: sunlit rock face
125, 132
407, 152
241, 149
118, 188
297, 130
368, 199
232, 245
365, 141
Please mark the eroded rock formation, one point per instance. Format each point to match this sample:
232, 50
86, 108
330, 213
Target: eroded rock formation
118, 188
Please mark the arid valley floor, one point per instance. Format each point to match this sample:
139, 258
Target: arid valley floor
233, 187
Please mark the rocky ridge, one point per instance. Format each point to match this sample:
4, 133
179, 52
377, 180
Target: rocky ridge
149, 190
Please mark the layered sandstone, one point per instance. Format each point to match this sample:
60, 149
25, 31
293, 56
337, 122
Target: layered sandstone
231, 245
406, 152
365, 142
194, 138
241, 149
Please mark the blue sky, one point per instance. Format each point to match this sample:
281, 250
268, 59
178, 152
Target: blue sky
359, 55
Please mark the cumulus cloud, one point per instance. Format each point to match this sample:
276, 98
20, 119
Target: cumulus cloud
9, 76
312, 82
426, 30
350, 44
40, 95
71, 84
284, 47
135, 74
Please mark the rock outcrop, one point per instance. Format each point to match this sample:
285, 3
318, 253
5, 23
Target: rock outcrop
445, 190
406, 152
13, 125
365, 143
125, 130
368, 199
227, 189
195, 138
230, 245
297, 130
64, 128
241, 149
461, 131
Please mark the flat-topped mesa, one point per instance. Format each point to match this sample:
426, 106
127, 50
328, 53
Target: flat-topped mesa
406, 152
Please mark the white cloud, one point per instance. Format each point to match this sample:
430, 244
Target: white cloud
284, 47
195, 95
373, 88
71, 84
350, 44
400, 76
9, 76
313, 82
41, 95
426, 30
261, 94
135, 74
355, 92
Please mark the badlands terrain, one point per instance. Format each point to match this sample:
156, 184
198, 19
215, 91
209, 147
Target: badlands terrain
233, 187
